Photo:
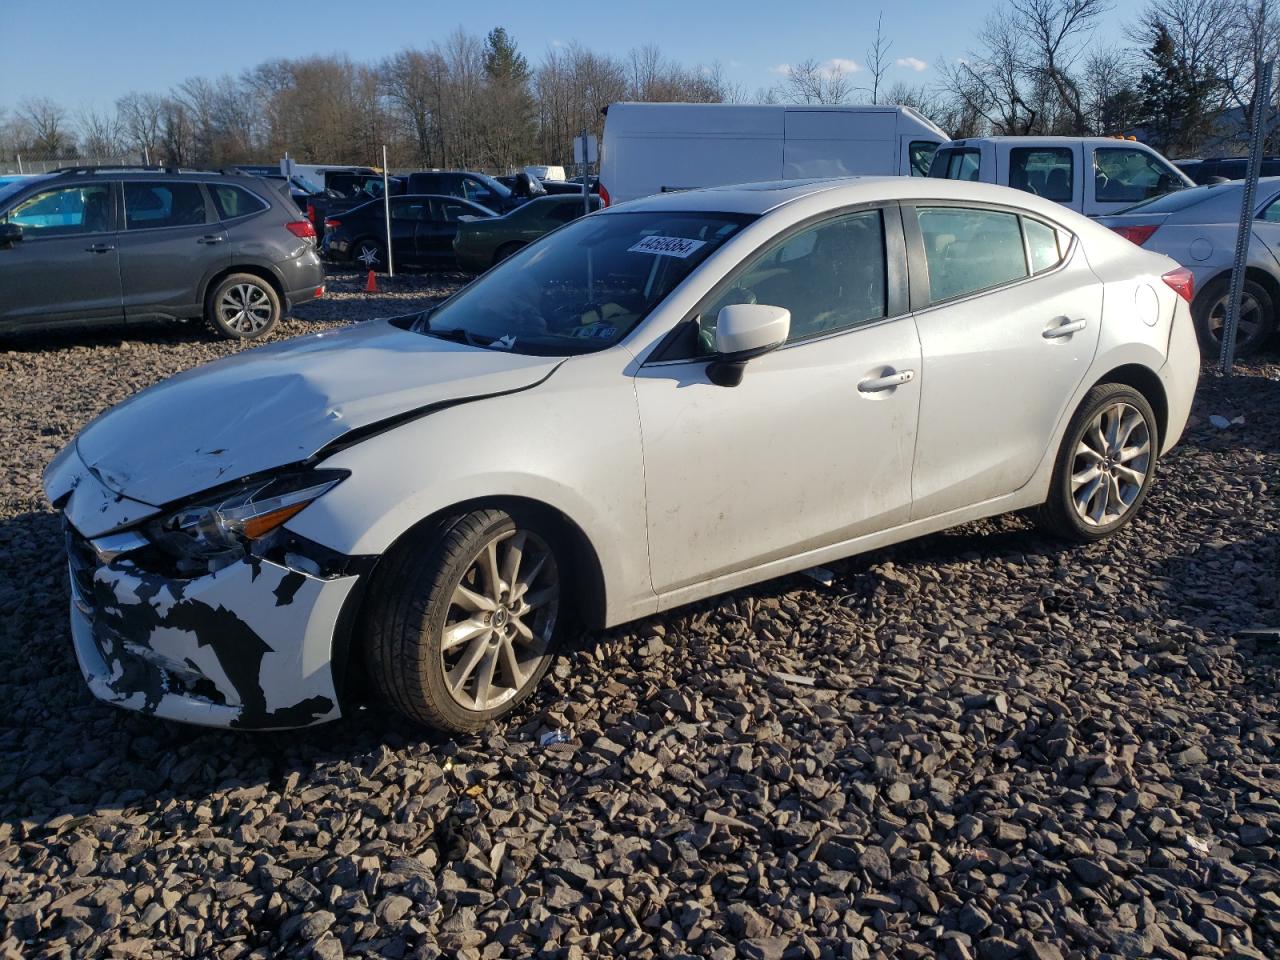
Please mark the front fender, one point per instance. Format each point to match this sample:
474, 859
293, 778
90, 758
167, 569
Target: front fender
572, 443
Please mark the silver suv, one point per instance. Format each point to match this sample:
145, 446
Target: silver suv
89, 245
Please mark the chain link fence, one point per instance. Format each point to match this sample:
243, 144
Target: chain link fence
20, 164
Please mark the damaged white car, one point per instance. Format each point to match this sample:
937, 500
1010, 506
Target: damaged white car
656, 403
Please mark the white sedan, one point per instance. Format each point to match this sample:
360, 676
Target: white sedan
659, 402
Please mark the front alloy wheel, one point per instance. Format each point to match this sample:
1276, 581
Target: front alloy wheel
463, 618
243, 307
501, 618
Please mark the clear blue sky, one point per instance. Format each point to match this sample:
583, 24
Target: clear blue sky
95, 50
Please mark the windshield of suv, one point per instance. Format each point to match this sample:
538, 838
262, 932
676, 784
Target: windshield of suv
585, 287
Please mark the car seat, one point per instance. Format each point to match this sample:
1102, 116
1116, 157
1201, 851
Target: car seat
94, 217
1057, 185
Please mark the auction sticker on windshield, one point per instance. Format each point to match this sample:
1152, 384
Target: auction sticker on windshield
667, 246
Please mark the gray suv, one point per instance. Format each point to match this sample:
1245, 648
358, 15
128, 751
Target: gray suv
89, 245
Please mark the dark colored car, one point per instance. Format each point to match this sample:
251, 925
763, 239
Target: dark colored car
1225, 168
422, 231
107, 245
475, 187
345, 191
480, 244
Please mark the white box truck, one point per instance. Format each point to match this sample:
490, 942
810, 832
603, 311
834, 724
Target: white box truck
655, 147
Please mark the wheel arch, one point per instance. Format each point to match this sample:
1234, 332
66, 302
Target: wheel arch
589, 601
1147, 382
253, 269
1264, 278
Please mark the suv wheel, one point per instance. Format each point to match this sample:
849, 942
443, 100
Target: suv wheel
463, 620
243, 307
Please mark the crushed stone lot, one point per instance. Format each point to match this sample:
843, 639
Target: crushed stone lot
980, 744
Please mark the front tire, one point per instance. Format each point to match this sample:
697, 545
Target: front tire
243, 307
1257, 317
1105, 465
464, 619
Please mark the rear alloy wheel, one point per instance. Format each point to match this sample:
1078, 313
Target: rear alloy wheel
1257, 317
463, 623
368, 253
243, 307
1105, 465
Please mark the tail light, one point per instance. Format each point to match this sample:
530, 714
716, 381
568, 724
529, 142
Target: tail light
1138, 235
301, 228
332, 224
311, 212
604, 197
1182, 281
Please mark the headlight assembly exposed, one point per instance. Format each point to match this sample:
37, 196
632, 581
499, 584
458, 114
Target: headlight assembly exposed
208, 534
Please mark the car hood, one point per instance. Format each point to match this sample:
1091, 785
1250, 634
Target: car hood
280, 404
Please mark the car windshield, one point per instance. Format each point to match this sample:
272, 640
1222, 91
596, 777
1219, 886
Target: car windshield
498, 188
585, 287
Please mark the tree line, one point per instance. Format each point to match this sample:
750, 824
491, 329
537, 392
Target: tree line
1181, 77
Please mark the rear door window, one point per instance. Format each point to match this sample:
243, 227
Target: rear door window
1047, 172
968, 250
64, 211
149, 206
921, 152
232, 202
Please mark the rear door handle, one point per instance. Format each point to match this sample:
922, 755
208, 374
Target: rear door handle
101, 247
211, 238
1065, 329
886, 382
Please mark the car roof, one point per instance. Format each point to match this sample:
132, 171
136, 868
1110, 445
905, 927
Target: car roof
760, 198
1032, 141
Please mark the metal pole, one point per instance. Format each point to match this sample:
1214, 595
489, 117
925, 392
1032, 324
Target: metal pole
19, 156
1257, 133
586, 190
386, 211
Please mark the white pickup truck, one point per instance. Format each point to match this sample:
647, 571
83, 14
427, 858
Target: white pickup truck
1092, 175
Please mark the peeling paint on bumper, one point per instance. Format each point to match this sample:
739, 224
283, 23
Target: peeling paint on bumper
249, 646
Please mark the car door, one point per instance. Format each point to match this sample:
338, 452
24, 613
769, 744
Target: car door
1004, 345
406, 219
440, 225
171, 242
814, 446
66, 266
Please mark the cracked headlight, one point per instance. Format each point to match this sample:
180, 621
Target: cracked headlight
209, 533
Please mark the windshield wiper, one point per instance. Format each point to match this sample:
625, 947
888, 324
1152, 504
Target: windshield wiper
459, 335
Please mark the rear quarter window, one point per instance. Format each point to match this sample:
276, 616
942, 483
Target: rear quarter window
232, 202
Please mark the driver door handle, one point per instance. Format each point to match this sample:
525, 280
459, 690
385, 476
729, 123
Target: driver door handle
886, 382
100, 247
1064, 329
211, 238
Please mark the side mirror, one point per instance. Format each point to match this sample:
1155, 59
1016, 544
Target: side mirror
10, 233
744, 331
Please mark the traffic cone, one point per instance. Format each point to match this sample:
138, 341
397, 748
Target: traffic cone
371, 284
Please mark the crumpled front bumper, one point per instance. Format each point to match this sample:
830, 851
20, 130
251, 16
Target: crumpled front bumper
249, 646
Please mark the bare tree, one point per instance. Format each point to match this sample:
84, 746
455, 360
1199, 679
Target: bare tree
99, 133
812, 82
878, 59
140, 116
46, 123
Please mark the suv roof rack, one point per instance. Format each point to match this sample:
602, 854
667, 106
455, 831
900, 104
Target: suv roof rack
146, 168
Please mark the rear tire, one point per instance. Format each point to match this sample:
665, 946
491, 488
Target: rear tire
242, 306
1257, 317
1105, 465
463, 619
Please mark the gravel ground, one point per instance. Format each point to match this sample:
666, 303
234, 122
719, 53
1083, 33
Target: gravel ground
981, 744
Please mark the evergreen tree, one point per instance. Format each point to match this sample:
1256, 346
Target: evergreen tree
508, 124
1175, 99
